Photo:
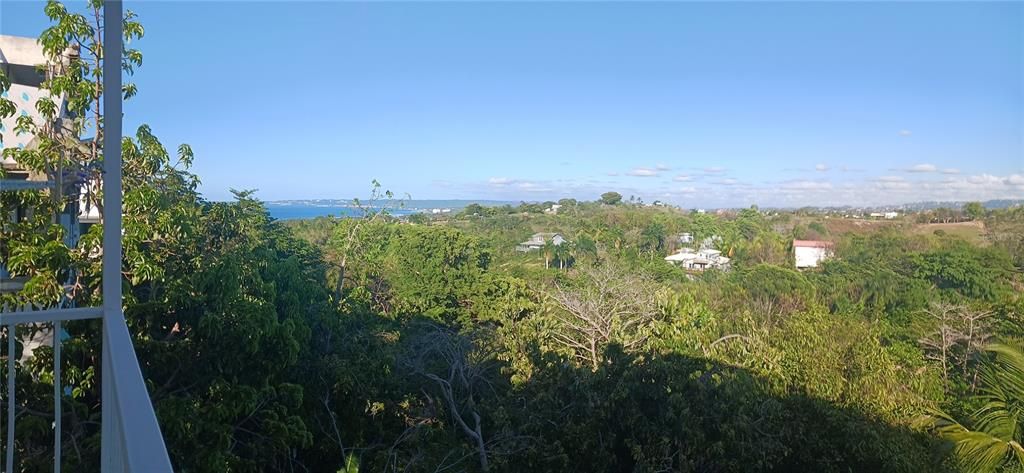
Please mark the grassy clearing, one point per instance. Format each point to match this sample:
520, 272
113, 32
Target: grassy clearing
973, 232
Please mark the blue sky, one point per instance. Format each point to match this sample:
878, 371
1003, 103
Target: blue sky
698, 104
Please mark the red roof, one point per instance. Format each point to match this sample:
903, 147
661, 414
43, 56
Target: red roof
812, 244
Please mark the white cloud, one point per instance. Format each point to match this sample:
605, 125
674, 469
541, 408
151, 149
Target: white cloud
806, 185
613, 174
985, 179
507, 184
682, 178
890, 179
714, 170
922, 168
662, 167
892, 185
905, 132
643, 172
889, 189
951, 171
821, 168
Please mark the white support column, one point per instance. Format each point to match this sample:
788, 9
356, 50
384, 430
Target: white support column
112, 47
11, 330
58, 396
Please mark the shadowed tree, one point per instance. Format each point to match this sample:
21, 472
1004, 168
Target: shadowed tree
604, 304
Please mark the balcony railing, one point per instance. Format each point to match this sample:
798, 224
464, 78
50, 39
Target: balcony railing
130, 435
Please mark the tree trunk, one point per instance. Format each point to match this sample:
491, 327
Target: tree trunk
480, 447
340, 286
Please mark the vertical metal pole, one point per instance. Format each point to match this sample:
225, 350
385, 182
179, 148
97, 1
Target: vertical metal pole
11, 330
111, 218
58, 396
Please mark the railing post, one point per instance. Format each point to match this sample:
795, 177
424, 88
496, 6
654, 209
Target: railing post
9, 460
112, 46
58, 396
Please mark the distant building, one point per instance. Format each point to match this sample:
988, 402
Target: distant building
553, 209
538, 240
685, 238
885, 215
699, 260
808, 253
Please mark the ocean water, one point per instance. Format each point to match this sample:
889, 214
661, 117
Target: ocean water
298, 212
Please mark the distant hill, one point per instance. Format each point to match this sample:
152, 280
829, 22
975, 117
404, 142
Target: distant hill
989, 204
911, 207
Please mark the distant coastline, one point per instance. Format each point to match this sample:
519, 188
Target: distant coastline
298, 209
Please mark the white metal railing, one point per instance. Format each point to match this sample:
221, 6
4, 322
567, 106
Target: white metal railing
130, 435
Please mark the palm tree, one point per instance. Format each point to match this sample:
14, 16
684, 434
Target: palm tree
565, 254
549, 253
997, 440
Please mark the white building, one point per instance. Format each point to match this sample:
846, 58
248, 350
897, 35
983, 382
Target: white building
26, 65
538, 240
699, 260
891, 215
808, 253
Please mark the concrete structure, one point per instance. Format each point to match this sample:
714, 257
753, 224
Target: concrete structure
808, 253
538, 240
25, 63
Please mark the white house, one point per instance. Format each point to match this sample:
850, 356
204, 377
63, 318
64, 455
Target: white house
538, 240
699, 260
891, 215
808, 253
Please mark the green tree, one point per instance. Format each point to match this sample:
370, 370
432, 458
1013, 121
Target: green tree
611, 198
994, 441
974, 210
